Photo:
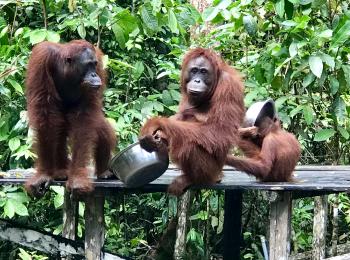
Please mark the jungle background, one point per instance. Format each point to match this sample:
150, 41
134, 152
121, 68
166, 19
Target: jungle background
295, 51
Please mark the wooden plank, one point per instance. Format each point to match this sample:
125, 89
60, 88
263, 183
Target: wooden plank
232, 224
45, 242
94, 225
307, 178
341, 249
339, 257
320, 228
280, 218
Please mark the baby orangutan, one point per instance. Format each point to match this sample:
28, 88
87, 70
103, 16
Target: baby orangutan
271, 153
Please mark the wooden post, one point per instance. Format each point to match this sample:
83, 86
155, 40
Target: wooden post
232, 224
280, 217
70, 216
184, 204
94, 225
320, 228
335, 225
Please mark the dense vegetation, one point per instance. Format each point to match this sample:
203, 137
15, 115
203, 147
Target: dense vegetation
296, 51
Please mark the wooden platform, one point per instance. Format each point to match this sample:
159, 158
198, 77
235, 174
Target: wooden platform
307, 178
309, 181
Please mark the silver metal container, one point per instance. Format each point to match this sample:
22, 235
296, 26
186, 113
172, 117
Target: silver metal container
136, 167
259, 110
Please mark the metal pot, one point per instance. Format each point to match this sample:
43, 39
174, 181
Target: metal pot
136, 167
259, 110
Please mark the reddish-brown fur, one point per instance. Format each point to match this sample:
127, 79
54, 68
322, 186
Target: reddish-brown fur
54, 121
271, 153
199, 138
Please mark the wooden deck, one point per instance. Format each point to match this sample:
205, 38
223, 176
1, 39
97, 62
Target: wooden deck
307, 178
311, 180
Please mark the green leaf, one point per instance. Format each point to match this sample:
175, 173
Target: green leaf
4, 31
14, 143
158, 106
20, 208
127, 22
295, 111
139, 68
60, 189
148, 18
280, 8
339, 108
18, 196
294, 2
119, 35
293, 49
15, 85
316, 65
166, 98
250, 25
9, 208
156, 4
334, 84
308, 114
58, 201
324, 134
24, 255
210, 13
37, 36
346, 70
81, 30
329, 60
327, 34
172, 22
343, 132
308, 80
341, 35
53, 36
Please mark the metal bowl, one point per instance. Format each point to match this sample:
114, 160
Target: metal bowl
136, 167
258, 111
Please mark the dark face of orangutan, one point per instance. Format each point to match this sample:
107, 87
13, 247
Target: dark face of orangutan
200, 80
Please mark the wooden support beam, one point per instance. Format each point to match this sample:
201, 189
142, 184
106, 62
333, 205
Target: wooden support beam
335, 225
320, 228
70, 216
232, 224
94, 225
184, 204
339, 257
280, 217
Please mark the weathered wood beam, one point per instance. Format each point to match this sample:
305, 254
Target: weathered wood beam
320, 228
339, 257
43, 242
94, 225
341, 249
280, 218
232, 224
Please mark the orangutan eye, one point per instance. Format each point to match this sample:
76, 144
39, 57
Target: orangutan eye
194, 70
